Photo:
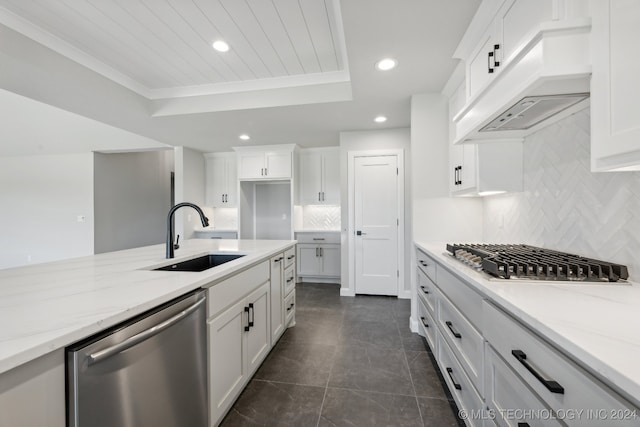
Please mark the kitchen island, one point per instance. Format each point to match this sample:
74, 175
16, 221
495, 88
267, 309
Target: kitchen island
46, 307
584, 335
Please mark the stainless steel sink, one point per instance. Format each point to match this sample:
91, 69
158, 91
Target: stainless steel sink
201, 263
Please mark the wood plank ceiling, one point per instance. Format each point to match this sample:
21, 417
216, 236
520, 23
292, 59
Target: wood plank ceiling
163, 44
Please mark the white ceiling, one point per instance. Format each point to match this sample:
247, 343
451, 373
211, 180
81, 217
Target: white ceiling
299, 71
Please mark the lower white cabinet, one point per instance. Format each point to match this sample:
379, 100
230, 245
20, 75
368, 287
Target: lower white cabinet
463, 392
563, 386
277, 297
239, 340
318, 256
322, 260
510, 401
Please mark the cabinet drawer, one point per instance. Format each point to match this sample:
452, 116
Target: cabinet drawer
318, 237
427, 325
560, 383
462, 296
459, 384
289, 280
289, 308
465, 341
426, 264
426, 290
289, 256
510, 399
225, 293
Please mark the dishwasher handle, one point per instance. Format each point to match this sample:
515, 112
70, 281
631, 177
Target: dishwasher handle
138, 338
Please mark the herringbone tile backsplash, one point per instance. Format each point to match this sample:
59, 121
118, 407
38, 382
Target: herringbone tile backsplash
564, 205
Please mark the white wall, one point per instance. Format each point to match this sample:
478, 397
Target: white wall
41, 198
564, 205
190, 181
132, 196
437, 217
374, 140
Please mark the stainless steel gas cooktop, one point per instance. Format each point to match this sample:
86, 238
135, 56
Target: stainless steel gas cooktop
526, 262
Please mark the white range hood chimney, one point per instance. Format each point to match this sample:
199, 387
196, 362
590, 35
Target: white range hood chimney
546, 80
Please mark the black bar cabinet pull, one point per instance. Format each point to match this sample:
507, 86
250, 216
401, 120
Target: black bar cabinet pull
422, 319
424, 289
455, 384
450, 326
290, 307
495, 55
319, 198
551, 385
291, 257
489, 56
290, 280
246, 328
252, 314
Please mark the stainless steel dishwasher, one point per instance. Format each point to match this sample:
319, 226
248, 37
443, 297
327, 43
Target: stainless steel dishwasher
148, 371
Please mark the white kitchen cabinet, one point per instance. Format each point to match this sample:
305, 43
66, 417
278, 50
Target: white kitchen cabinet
265, 163
615, 87
318, 256
222, 179
239, 340
505, 392
277, 297
559, 382
320, 176
486, 168
514, 23
33, 394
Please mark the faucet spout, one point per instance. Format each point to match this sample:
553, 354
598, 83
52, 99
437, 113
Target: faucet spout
203, 219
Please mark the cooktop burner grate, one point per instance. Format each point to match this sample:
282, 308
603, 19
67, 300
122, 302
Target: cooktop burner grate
532, 263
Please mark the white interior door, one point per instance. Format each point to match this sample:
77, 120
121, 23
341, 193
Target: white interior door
376, 225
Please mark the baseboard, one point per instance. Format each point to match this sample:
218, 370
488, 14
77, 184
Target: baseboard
334, 280
346, 292
413, 324
404, 294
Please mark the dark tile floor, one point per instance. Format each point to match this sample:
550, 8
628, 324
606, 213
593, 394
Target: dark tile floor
347, 362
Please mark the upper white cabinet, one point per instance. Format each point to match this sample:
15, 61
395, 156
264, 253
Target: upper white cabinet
515, 49
222, 180
320, 176
489, 167
615, 87
265, 162
486, 168
514, 23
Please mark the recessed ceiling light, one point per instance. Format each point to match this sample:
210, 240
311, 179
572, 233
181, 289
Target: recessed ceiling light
244, 137
380, 119
220, 46
386, 64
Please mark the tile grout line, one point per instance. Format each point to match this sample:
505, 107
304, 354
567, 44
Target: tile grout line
415, 394
326, 387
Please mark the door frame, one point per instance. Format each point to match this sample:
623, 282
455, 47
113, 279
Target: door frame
351, 156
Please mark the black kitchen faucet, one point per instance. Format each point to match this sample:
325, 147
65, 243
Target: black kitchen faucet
204, 219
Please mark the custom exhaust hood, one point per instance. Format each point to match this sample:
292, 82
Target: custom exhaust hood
545, 80
530, 111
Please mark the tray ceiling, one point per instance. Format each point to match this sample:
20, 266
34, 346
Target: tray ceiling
162, 48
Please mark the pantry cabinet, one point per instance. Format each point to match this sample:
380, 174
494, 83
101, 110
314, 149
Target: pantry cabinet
320, 176
615, 88
265, 163
222, 180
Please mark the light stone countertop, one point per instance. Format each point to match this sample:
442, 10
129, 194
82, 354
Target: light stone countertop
317, 231
596, 325
48, 306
